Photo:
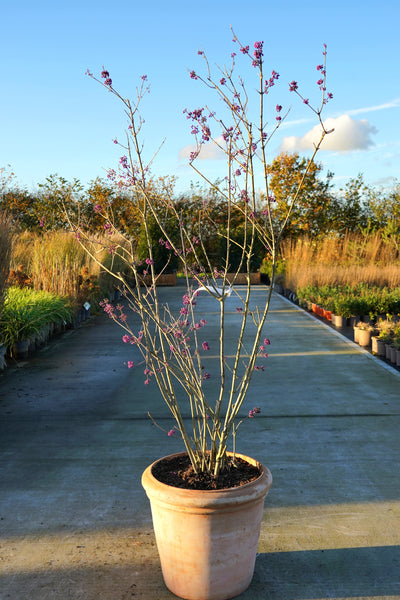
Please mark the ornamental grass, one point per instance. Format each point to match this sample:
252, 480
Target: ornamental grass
6, 240
27, 311
334, 261
55, 262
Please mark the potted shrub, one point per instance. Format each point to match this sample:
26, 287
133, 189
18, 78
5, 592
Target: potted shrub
364, 332
356, 330
383, 337
207, 501
395, 351
388, 340
378, 345
342, 311
396, 344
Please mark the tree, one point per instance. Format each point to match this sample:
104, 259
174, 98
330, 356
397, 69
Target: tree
311, 211
203, 214
56, 197
383, 211
42, 210
20, 205
350, 212
164, 259
120, 205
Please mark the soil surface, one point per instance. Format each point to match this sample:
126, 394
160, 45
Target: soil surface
178, 472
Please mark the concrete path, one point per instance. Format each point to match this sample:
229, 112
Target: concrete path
75, 437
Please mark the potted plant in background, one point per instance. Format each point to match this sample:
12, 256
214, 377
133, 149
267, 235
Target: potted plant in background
364, 333
396, 345
382, 337
342, 311
385, 336
207, 501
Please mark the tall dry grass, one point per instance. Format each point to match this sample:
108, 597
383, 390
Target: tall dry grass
52, 261
6, 240
56, 262
332, 261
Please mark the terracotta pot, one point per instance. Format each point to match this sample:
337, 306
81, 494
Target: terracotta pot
207, 539
356, 332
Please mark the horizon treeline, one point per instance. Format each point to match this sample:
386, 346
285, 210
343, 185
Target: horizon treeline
320, 210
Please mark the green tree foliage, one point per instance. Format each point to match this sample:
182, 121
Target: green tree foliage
318, 211
21, 206
366, 209
205, 214
56, 197
164, 258
383, 210
349, 211
121, 207
312, 208
202, 211
44, 210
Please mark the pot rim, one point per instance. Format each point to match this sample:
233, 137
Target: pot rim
249, 492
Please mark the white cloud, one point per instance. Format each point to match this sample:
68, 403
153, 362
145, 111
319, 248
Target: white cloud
285, 124
209, 151
355, 111
348, 135
392, 104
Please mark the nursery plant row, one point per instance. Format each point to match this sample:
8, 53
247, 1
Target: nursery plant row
350, 301
372, 312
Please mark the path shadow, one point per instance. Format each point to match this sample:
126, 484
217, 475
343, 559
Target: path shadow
133, 582
303, 575
338, 573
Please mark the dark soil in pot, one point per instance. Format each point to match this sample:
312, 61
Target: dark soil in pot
178, 472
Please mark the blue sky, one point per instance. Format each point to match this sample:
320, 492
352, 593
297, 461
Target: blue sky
55, 119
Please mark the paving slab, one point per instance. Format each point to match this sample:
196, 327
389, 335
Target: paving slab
75, 437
